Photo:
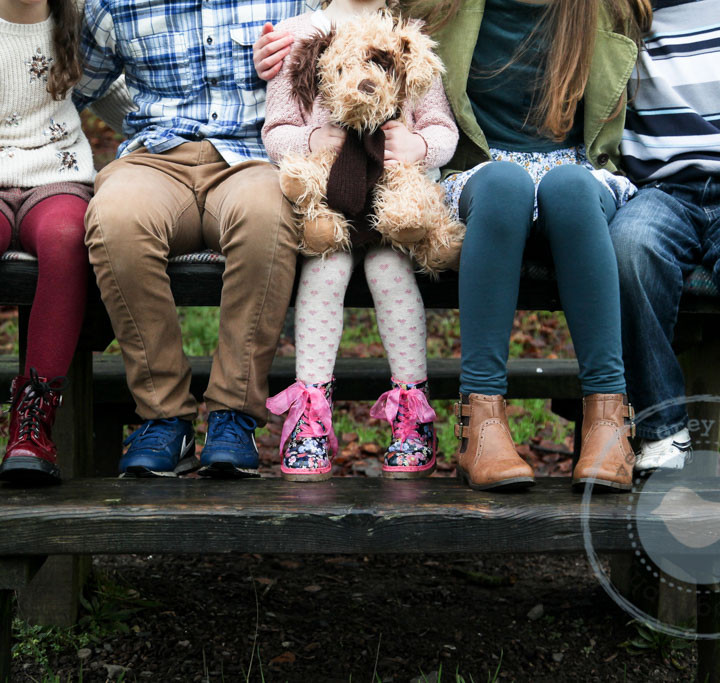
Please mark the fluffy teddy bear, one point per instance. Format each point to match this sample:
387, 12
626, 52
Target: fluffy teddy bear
363, 73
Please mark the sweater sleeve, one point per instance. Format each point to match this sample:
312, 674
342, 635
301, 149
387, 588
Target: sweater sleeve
114, 105
287, 129
434, 122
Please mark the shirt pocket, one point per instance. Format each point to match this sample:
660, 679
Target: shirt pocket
242, 37
161, 62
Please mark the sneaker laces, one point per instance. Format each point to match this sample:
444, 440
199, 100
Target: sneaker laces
236, 425
31, 404
404, 409
308, 403
153, 434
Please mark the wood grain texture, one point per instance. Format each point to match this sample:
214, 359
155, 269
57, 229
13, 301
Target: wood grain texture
200, 285
362, 379
269, 515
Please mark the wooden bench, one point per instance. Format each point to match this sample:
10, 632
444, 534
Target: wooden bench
86, 516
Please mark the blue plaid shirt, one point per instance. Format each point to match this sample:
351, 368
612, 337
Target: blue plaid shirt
188, 66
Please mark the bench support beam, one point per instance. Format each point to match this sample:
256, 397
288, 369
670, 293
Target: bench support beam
15, 572
51, 599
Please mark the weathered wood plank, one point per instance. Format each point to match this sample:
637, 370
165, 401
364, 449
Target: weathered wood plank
200, 285
340, 516
357, 378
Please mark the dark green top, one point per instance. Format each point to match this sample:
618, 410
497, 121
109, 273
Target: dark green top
501, 101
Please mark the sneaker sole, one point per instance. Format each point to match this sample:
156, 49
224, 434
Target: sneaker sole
505, 485
21, 470
226, 470
138, 472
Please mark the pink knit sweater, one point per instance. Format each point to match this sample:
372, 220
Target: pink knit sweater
287, 127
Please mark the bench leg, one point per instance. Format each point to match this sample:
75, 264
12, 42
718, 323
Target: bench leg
708, 650
15, 572
52, 597
107, 445
6, 597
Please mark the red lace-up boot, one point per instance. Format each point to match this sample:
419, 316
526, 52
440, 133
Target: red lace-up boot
31, 455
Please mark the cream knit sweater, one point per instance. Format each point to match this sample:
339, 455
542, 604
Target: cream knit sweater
41, 141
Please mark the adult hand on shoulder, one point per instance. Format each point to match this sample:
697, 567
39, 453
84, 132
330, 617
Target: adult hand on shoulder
402, 145
269, 50
328, 135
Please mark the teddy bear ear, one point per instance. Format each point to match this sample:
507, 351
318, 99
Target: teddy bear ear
303, 68
420, 64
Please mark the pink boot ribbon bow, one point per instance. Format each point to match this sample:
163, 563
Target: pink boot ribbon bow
300, 399
417, 407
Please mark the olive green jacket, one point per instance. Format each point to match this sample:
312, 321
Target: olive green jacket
612, 64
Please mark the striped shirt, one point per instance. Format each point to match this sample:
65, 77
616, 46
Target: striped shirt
188, 66
673, 121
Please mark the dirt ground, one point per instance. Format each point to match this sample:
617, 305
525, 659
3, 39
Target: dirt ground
363, 618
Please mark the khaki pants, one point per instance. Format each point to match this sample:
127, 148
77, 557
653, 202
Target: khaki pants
148, 207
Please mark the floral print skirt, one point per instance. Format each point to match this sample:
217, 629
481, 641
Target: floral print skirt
537, 164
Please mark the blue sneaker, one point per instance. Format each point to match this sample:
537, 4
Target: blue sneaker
156, 448
230, 451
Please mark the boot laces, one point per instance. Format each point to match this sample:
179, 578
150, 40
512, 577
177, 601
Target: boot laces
405, 410
32, 404
233, 424
407, 421
153, 434
308, 406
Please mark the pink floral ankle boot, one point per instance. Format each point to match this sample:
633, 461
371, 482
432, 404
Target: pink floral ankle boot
308, 442
412, 452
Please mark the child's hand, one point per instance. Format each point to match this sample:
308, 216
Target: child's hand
402, 145
269, 51
328, 135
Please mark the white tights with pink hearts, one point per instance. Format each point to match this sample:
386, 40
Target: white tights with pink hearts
398, 308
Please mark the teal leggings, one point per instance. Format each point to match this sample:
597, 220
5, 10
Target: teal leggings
574, 210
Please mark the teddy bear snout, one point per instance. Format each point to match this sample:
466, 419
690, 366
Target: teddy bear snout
367, 86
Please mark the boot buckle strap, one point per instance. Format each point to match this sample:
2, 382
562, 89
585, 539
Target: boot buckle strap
461, 431
629, 415
462, 409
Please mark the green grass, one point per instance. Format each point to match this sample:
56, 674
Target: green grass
199, 325
108, 607
343, 423
535, 416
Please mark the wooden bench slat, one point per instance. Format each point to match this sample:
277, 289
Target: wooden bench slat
362, 379
351, 515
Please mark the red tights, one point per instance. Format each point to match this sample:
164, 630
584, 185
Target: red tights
53, 230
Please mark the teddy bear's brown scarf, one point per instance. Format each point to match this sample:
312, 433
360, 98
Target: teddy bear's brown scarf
353, 176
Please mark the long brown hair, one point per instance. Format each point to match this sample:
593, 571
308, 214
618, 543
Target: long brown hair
66, 70
569, 28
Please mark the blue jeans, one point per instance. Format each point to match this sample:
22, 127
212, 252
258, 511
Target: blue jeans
573, 213
659, 236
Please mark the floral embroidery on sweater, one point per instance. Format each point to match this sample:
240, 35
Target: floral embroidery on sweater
68, 161
56, 131
7, 152
13, 120
39, 66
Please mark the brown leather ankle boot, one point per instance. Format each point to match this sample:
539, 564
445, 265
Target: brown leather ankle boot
487, 458
606, 458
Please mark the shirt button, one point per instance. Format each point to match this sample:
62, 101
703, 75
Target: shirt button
213, 81
213, 116
209, 40
603, 159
